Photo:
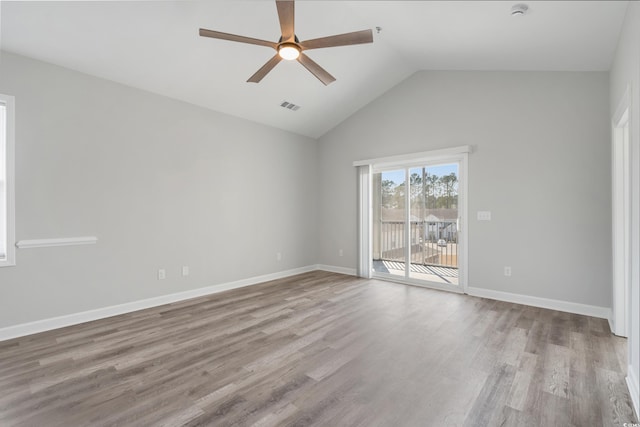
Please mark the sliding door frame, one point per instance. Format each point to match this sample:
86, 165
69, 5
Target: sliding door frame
365, 172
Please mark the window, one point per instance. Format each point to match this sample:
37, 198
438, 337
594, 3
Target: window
7, 221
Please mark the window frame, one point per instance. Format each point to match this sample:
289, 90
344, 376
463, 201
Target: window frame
9, 104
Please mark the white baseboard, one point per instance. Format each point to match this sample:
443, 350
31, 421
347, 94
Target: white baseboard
335, 269
101, 313
610, 320
569, 307
37, 326
634, 388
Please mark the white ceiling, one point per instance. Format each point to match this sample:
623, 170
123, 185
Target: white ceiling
154, 45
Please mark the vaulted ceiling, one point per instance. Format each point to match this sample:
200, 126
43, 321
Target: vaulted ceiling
155, 46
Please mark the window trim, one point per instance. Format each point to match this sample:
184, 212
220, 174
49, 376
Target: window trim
9, 103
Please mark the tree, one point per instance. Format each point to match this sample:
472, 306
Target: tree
432, 191
426, 191
415, 181
387, 193
450, 189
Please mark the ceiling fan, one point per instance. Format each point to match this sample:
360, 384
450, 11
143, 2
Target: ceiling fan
290, 48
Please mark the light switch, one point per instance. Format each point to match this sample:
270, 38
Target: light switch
484, 215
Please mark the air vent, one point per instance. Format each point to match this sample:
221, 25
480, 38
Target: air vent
290, 106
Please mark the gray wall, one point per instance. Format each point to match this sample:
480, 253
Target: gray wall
626, 71
541, 165
165, 184
161, 183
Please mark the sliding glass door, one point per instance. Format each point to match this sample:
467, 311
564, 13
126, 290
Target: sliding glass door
415, 223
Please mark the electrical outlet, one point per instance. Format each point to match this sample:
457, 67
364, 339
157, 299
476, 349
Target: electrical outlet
340, 252
162, 274
507, 271
278, 256
185, 270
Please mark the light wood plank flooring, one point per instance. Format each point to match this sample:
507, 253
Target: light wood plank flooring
321, 349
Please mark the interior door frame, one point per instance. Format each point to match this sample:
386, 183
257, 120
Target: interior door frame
621, 217
367, 167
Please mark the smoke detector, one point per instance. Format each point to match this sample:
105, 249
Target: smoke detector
519, 9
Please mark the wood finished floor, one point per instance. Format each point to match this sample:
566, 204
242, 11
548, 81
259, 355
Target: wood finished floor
321, 349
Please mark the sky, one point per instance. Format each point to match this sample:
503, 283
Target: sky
440, 170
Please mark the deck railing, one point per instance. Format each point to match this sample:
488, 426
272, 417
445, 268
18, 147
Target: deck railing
432, 242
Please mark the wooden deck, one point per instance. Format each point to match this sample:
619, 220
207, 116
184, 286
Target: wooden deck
321, 349
432, 273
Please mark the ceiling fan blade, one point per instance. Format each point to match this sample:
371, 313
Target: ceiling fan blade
315, 69
235, 38
286, 16
264, 70
357, 37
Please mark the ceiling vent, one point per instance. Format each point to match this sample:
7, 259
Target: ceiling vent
290, 106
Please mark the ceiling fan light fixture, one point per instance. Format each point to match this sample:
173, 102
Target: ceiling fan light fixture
289, 51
